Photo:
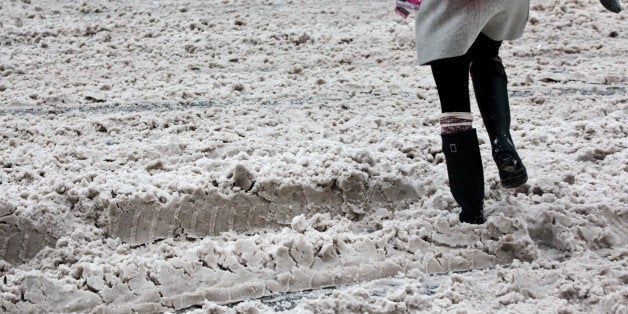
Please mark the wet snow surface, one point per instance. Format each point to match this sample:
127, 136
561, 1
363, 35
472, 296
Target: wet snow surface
199, 156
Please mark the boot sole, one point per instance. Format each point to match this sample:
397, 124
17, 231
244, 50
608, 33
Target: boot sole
514, 179
511, 178
475, 218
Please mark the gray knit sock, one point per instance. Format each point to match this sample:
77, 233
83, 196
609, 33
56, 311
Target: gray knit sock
454, 122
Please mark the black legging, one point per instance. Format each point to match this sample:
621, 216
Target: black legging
452, 74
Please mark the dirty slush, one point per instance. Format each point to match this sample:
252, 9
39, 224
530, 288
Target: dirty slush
273, 156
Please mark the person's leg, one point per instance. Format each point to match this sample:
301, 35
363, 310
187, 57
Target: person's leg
452, 82
460, 143
491, 91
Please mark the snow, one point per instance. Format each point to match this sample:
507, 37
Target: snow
276, 156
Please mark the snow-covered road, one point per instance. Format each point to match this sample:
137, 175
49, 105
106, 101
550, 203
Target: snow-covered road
186, 155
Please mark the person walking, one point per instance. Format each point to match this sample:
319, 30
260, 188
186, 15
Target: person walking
457, 38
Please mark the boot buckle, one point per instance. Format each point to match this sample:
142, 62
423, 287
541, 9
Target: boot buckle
453, 148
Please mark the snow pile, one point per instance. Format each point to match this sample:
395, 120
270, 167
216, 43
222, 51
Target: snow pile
180, 155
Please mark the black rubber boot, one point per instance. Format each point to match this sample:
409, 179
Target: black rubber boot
466, 177
491, 92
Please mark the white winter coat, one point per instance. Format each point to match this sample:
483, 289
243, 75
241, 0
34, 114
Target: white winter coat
448, 28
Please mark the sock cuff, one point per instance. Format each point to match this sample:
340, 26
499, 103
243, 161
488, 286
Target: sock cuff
454, 122
457, 115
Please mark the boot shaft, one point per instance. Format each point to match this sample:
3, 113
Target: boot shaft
465, 172
490, 84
